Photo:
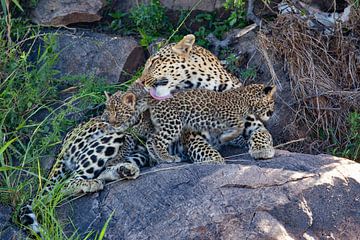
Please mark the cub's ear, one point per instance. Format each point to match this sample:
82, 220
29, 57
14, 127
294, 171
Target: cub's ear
270, 91
185, 45
107, 95
129, 99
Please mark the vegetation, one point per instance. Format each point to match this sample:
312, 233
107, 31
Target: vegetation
351, 148
150, 22
35, 114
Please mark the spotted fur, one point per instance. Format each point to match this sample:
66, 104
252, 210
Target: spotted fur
183, 66
91, 154
191, 146
201, 111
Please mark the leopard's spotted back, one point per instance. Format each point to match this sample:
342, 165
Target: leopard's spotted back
182, 66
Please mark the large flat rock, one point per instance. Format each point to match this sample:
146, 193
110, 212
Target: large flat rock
293, 196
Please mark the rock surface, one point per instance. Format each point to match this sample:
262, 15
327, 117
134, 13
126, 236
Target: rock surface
204, 5
7, 229
110, 57
293, 196
59, 12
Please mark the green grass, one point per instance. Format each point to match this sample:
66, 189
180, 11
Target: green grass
150, 22
351, 148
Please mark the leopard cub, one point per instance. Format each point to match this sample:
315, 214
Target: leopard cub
200, 110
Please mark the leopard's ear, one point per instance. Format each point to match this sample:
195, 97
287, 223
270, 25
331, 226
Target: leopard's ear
270, 91
129, 99
107, 95
185, 45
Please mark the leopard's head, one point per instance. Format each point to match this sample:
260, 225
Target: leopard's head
261, 100
165, 69
119, 108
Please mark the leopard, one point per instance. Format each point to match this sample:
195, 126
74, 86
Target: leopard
187, 146
227, 113
183, 66
92, 154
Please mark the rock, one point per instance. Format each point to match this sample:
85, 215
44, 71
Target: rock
7, 229
293, 196
57, 13
204, 5
110, 57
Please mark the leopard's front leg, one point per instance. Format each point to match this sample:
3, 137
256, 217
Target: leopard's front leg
79, 185
200, 150
261, 144
158, 144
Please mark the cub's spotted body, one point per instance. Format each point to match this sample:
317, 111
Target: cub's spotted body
91, 154
191, 146
208, 112
181, 66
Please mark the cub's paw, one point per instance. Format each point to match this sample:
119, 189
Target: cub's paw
95, 185
80, 186
264, 153
218, 160
128, 171
213, 160
167, 158
261, 144
171, 159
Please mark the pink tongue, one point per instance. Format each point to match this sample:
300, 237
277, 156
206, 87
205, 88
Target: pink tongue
153, 94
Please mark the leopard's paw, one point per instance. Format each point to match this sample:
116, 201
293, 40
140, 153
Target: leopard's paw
264, 153
128, 171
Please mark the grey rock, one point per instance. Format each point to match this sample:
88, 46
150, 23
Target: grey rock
7, 229
204, 5
112, 58
293, 196
57, 13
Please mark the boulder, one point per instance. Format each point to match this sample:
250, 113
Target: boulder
293, 196
112, 58
58, 13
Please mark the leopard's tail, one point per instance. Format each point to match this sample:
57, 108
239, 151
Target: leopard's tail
26, 215
28, 218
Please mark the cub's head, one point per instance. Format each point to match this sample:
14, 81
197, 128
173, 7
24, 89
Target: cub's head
119, 108
261, 100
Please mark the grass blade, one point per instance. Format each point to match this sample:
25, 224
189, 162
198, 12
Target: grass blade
103, 230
